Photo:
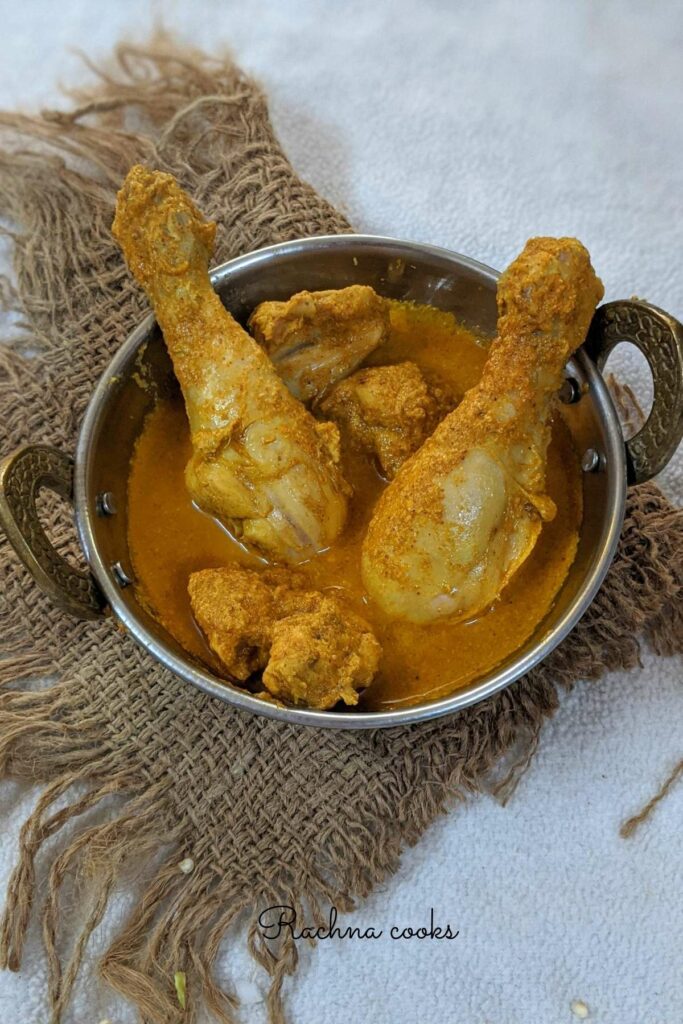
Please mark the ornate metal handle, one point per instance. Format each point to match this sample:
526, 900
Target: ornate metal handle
659, 337
22, 475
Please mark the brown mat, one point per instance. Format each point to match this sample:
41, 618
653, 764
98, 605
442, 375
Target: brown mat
235, 793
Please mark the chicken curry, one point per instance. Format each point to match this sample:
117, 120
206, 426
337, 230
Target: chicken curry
353, 500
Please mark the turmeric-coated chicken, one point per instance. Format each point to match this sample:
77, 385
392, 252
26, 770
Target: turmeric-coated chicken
466, 510
316, 338
387, 412
310, 649
261, 463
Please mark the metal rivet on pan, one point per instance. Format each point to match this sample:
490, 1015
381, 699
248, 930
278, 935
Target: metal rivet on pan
570, 392
105, 503
590, 461
120, 575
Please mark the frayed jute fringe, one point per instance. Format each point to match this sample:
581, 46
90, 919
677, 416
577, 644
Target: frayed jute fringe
188, 776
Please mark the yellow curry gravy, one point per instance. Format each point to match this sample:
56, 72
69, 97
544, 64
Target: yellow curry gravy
170, 538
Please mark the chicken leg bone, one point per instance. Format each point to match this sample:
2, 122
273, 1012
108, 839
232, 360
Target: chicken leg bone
261, 463
466, 510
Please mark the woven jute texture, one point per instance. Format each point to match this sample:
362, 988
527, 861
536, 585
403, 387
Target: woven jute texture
270, 814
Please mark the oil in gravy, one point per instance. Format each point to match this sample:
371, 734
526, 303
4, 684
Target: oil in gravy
170, 538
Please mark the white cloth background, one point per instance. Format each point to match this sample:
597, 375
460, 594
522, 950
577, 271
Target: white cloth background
472, 125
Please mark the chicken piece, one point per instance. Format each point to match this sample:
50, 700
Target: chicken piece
321, 656
466, 510
310, 648
316, 338
235, 609
387, 411
261, 463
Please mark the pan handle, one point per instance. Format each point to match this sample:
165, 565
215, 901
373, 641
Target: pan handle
22, 475
659, 336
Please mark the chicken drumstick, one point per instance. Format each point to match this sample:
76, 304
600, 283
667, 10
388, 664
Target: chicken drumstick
261, 462
465, 511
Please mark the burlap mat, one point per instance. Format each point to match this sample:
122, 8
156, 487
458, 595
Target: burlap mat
269, 814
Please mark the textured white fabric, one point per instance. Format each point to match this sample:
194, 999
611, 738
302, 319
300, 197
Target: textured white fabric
471, 125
